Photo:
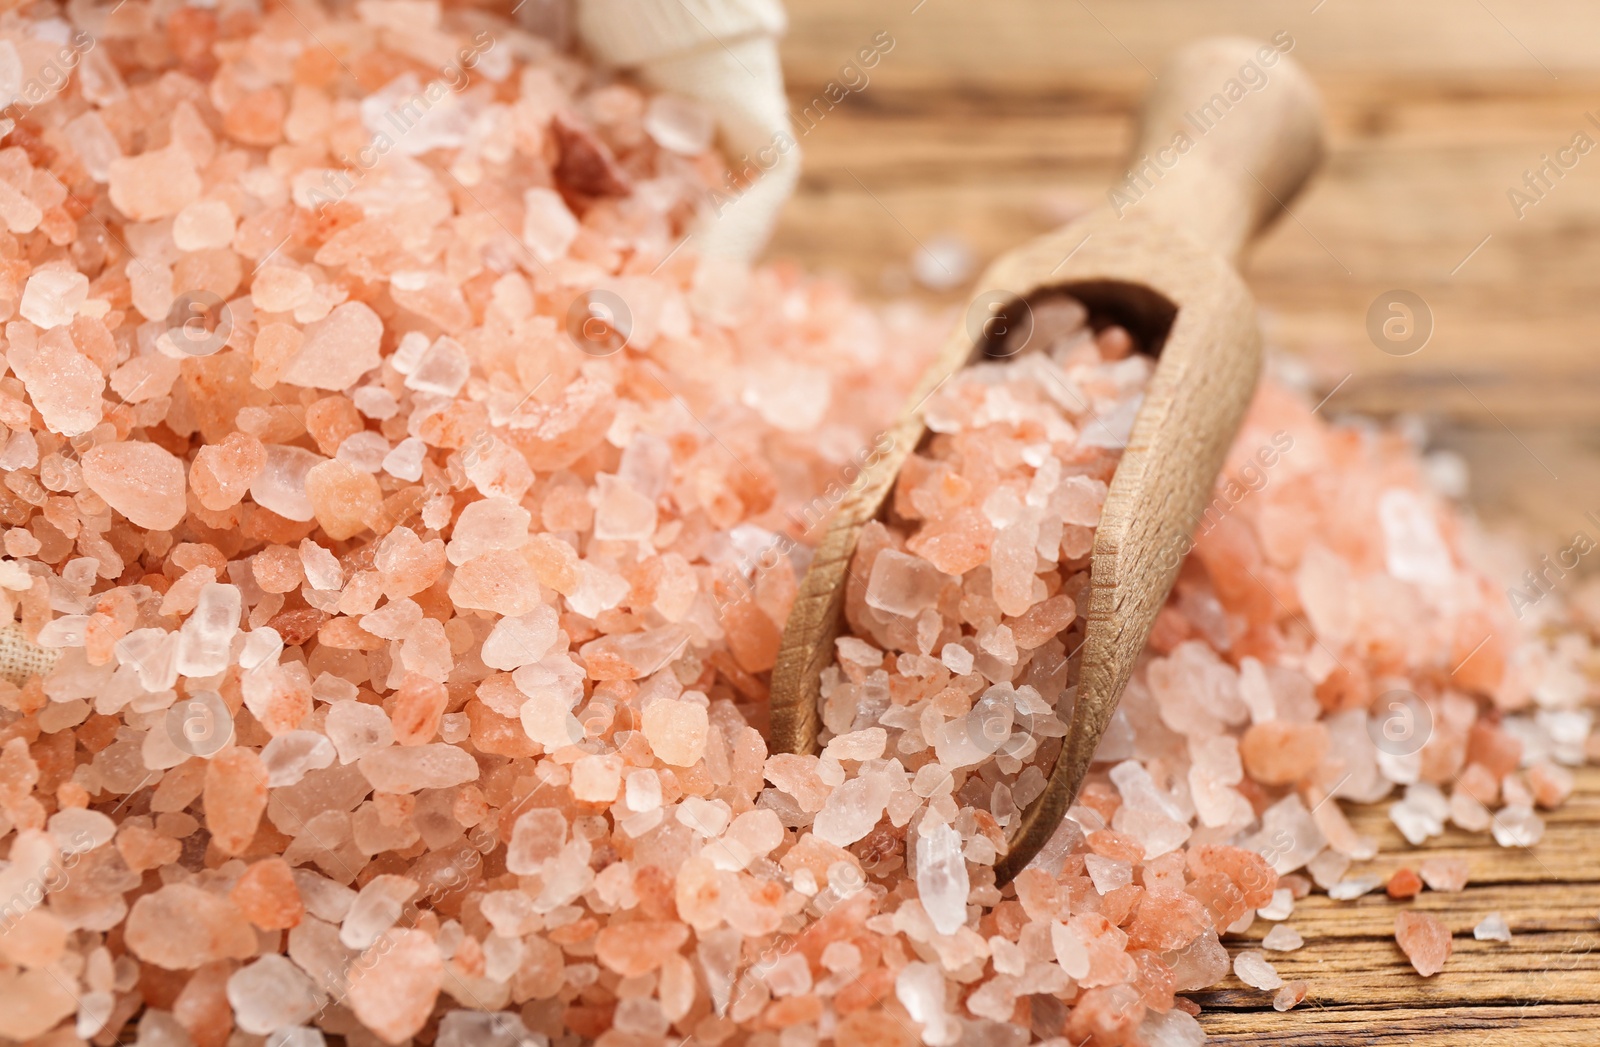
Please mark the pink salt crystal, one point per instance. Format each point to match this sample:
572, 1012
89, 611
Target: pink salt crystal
438, 765
205, 225
180, 927
142, 481
280, 289
1279, 753
521, 640
1444, 874
155, 184
235, 796
901, 584
281, 484
536, 837
1288, 997
1551, 783
501, 581
64, 384
639, 947
1425, 941
53, 297
1254, 970
676, 731
338, 349
376, 908
488, 525
395, 983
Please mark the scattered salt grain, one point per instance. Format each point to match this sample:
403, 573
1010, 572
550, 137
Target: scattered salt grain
1252, 968
1492, 928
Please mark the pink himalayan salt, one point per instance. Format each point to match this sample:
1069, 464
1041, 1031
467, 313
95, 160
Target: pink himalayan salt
500, 581
1445, 874
1425, 941
640, 947
437, 765
337, 349
393, 984
235, 796
65, 385
675, 730
154, 184
267, 896
1280, 753
180, 927
222, 473
1290, 996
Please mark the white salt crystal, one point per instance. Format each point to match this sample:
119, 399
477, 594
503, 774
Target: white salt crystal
920, 988
1282, 938
365, 450
53, 297
356, 729
472, 1028
620, 512
1351, 889
405, 461
322, 568
523, 640
205, 639
956, 658
1070, 951
1107, 873
1253, 969
270, 994
203, 225
1517, 826
942, 881
281, 484
78, 829
1281, 906
1492, 928
642, 790
442, 370
903, 585
853, 809
375, 402
377, 907
288, 757
548, 228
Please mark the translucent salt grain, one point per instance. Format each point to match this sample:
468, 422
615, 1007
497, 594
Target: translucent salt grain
852, 810
376, 908
289, 756
1444, 874
1492, 928
1425, 941
338, 349
942, 882
676, 731
413, 768
957, 659
1289, 996
141, 481
1108, 874
548, 227
269, 994
1349, 890
442, 370
53, 297
1252, 968
155, 184
901, 584
1517, 826
1282, 938
205, 225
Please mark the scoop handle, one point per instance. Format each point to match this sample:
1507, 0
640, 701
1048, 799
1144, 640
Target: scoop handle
1228, 136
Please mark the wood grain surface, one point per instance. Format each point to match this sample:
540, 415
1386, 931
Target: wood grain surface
995, 122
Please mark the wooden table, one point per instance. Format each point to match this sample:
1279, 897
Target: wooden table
994, 121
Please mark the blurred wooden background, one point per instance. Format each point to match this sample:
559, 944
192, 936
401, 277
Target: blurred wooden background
992, 121
989, 120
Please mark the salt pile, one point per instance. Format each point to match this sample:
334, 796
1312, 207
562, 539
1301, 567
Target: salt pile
414, 522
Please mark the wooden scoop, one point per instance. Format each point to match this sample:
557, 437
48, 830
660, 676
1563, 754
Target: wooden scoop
1219, 155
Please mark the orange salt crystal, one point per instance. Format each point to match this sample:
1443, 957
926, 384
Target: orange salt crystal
416, 709
143, 848
1280, 753
1425, 941
267, 895
1404, 883
235, 795
394, 984
639, 947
